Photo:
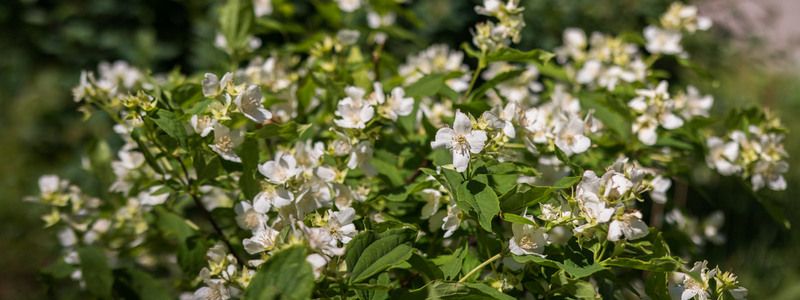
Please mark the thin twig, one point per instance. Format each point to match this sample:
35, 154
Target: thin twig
479, 267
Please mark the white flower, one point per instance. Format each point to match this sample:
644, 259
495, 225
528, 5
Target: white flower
360, 156
281, 169
528, 239
262, 7
348, 37
452, 220
695, 283
249, 104
432, 202
263, 239
150, 198
663, 41
353, 110
340, 225
722, 156
215, 289
661, 185
692, 104
349, 5
376, 20
247, 217
225, 142
629, 225
51, 184
461, 139
212, 85
278, 197
436, 59
503, 119
321, 239
570, 138
593, 207
317, 263
202, 125
396, 105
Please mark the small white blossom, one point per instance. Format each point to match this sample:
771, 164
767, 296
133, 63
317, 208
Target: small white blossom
349, 5
628, 226
249, 104
226, 141
528, 239
461, 139
353, 110
202, 125
281, 169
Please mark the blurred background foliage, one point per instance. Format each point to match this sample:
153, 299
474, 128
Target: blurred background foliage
45, 44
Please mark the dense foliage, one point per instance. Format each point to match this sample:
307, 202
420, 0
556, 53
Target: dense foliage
333, 168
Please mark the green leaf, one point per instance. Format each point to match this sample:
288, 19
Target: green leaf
515, 55
451, 264
174, 226
486, 86
384, 253
356, 246
285, 275
465, 291
488, 206
426, 86
142, 284
660, 264
513, 218
425, 267
96, 272
574, 270
169, 123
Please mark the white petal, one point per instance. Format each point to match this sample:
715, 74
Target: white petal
444, 138
460, 160
462, 125
476, 140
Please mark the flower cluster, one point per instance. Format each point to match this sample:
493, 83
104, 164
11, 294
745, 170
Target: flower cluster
756, 154
655, 108
666, 38
604, 61
490, 36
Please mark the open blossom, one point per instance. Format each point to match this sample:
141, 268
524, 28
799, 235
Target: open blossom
272, 196
629, 226
340, 224
353, 110
570, 138
432, 199
692, 104
695, 283
262, 7
226, 141
593, 207
281, 169
213, 86
152, 197
436, 59
249, 104
202, 125
263, 239
663, 41
503, 119
394, 106
528, 239
318, 263
654, 107
452, 220
248, 217
461, 139
349, 5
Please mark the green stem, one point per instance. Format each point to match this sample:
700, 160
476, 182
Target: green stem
479, 267
481, 66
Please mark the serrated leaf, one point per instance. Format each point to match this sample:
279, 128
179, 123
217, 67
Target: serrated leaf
285, 275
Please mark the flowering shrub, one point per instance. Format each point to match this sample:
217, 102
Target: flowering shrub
333, 169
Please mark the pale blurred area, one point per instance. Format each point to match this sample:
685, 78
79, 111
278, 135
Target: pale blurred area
771, 27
